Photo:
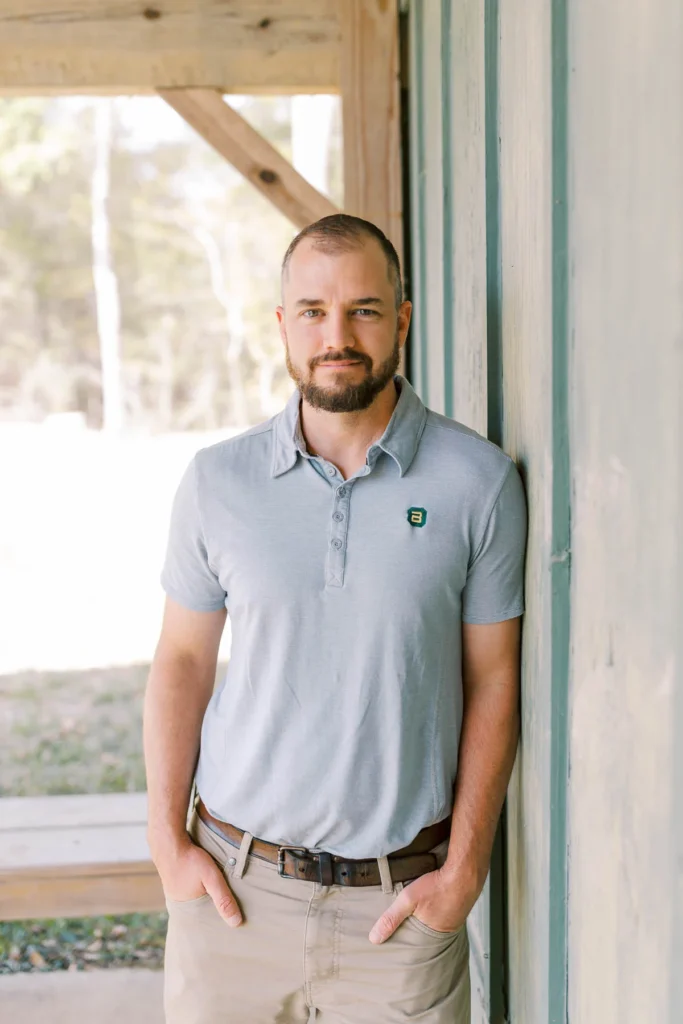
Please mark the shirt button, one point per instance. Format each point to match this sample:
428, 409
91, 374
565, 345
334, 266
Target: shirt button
338, 516
331, 470
336, 544
341, 492
232, 861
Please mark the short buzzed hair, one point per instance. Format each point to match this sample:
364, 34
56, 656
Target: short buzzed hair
339, 233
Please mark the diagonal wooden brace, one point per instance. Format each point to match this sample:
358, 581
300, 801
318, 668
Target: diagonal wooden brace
251, 154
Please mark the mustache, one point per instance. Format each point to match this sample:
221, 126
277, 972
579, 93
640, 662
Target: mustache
340, 357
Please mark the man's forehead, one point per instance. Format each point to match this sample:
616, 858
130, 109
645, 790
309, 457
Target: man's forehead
362, 268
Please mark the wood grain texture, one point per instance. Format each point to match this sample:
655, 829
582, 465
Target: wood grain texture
246, 46
369, 76
253, 156
99, 890
526, 323
428, 241
417, 183
38, 812
448, 224
73, 855
625, 937
468, 238
463, 293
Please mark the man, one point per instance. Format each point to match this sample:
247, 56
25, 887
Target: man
353, 764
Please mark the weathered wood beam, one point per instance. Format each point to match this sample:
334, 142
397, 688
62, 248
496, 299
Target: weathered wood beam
240, 46
252, 155
371, 113
71, 856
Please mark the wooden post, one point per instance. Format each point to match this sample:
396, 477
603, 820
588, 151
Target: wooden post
371, 114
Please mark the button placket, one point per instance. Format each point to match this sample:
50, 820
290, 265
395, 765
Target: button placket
338, 536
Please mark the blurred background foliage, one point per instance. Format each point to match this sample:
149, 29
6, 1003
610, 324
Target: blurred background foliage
195, 254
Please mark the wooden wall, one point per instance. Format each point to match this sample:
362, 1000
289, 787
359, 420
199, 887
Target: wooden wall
626, 373
524, 298
448, 272
446, 82
546, 160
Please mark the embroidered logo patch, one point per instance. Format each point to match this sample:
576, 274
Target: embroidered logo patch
417, 516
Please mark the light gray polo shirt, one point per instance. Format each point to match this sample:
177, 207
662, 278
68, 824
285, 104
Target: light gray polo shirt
337, 724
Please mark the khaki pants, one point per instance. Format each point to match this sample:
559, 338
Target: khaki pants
303, 954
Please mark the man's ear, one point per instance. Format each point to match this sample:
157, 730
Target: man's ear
280, 313
404, 314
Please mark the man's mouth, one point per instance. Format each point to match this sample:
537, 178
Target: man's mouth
343, 362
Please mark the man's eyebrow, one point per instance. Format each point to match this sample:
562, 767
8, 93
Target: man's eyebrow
369, 300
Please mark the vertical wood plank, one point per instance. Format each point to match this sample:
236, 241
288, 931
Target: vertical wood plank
524, 105
464, 351
418, 201
371, 114
432, 224
625, 937
466, 138
427, 204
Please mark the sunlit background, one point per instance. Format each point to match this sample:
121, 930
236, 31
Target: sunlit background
139, 275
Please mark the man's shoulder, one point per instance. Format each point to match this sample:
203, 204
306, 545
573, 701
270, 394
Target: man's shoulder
248, 445
462, 447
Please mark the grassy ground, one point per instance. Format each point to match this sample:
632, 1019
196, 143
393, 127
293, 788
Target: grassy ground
72, 732
75, 732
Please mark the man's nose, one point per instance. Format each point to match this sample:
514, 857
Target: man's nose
338, 333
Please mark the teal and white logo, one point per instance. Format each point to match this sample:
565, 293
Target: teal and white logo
417, 516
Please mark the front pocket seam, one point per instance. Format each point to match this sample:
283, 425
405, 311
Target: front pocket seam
188, 903
432, 932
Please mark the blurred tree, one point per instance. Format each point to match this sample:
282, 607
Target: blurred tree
194, 248
107, 304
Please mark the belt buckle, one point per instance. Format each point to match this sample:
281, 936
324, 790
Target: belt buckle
325, 871
281, 851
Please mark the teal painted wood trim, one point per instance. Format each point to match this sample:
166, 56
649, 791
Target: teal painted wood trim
498, 992
561, 524
447, 200
494, 290
419, 205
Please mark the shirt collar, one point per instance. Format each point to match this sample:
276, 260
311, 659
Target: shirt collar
400, 440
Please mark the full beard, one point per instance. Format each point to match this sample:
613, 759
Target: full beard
351, 397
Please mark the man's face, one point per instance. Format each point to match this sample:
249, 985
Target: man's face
340, 327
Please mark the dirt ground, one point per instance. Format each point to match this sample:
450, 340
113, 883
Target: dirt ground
107, 997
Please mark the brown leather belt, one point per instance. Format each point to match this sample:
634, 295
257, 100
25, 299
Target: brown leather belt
325, 868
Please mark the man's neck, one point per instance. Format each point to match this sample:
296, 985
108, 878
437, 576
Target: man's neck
343, 438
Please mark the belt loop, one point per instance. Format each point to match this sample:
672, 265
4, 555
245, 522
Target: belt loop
385, 874
245, 846
194, 797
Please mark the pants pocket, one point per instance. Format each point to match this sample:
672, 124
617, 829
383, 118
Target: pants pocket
432, 932
187, 904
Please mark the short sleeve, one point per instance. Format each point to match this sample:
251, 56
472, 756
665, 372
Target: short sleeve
494, 590
187, 576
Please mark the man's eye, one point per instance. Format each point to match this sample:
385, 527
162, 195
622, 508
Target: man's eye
370, 312
313, 312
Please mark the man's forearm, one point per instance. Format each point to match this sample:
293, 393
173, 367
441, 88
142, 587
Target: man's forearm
488, 744
178, 691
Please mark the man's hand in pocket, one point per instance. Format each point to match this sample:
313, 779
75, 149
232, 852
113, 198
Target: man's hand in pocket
187, 873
